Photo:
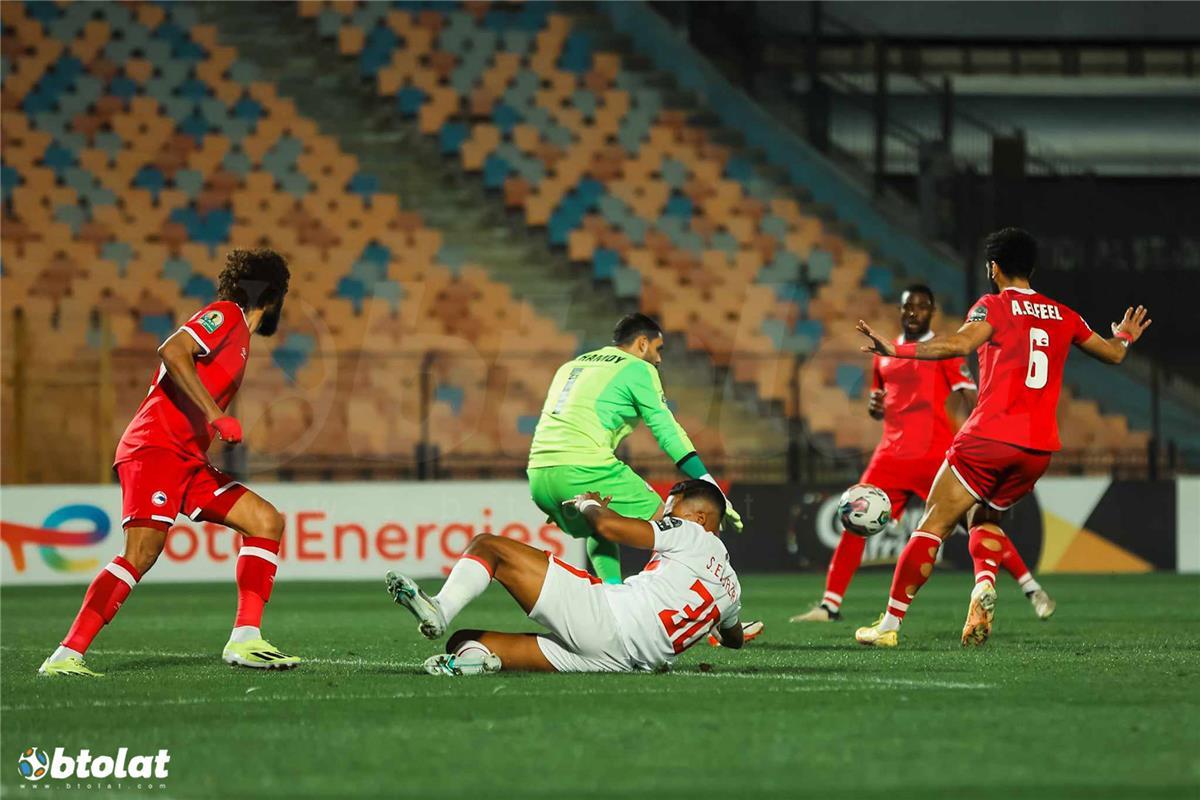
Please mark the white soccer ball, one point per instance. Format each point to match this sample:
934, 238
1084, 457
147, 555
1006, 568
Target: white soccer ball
864, 509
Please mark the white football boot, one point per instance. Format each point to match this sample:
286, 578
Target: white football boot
405, 591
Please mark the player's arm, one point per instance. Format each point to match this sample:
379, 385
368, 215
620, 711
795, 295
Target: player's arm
732, 637
1125, 333
958, 344
646, 393
875, 399
610, 525
178, 355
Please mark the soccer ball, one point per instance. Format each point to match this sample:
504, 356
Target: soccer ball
33, 764
864, 509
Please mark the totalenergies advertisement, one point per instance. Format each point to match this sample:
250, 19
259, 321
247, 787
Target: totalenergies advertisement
334, 531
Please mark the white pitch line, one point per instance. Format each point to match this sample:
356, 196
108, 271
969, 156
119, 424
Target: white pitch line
858, 680
500, 690
349, 662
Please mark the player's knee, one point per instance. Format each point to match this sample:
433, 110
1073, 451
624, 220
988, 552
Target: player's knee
485, 543
143, 551
269, 523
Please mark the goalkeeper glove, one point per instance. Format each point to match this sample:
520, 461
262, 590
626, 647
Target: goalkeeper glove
732, 518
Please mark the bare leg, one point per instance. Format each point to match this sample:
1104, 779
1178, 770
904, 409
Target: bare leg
251, 515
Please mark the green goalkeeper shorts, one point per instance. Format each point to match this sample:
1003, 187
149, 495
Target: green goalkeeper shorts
631, 496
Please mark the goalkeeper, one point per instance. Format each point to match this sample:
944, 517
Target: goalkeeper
594, 402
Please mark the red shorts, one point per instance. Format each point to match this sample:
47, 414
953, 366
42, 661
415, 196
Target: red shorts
157, 484
996, 473
900, 479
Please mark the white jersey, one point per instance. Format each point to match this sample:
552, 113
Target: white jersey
687, 587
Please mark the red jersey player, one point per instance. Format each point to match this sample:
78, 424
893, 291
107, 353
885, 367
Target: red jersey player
910, 397
1023, 339
163, 469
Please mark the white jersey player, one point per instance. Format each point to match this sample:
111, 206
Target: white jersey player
687, 591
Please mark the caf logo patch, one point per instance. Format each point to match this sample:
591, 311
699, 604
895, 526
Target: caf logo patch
978, 313
212, 320
159, 498
666, 523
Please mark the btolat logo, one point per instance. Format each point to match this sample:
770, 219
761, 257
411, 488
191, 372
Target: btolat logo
34, 764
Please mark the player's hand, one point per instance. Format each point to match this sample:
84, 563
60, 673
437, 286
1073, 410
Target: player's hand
579, 499
228, 428
875, 403
879, 346
733, 520
1133, 324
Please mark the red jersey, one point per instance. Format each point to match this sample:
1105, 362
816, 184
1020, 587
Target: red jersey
167, 418
915, 424
1021, 367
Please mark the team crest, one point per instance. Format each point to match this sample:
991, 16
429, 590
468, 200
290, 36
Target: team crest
159, 498
212, 320
978, 313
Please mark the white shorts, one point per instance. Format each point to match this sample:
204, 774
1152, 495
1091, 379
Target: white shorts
583, 632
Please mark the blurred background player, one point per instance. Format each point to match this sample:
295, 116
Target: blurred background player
163, 468
686, 590
1023, 339
595, 401
910, 397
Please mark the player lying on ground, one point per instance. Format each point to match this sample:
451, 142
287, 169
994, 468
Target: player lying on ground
910, 397
1023, 339
593, 403
686, 590
163, 468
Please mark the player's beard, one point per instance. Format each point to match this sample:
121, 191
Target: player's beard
270, 321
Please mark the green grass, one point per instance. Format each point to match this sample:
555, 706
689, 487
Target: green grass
1101, 701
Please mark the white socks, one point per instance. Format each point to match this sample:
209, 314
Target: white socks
245, 633
1028, 584
890, 622
468, 579
64, 652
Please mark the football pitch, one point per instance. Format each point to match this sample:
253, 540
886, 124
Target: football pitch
1101, 701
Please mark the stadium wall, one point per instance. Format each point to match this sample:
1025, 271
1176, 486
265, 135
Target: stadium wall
1081, 525
350, 531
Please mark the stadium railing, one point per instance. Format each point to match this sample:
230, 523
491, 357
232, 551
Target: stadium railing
446, 413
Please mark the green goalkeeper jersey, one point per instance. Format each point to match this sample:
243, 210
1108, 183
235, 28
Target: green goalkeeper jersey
596, 401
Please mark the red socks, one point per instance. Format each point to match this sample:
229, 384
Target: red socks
105, 595
987, 547
257, 561
847, 556
1012, 561
912, 570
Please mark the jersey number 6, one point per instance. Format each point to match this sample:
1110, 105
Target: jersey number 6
1039, 362
691, 622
